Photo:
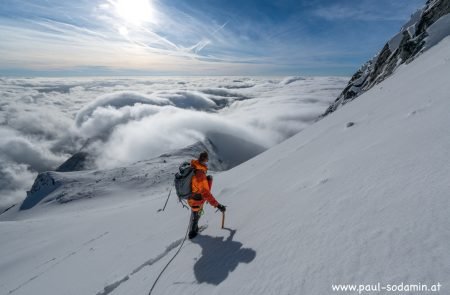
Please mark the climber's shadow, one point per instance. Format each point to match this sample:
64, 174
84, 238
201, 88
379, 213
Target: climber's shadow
219, 257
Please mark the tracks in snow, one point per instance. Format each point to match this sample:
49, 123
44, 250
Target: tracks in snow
57, 262
111, 287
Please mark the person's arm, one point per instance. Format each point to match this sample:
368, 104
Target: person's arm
210, 198
206, 192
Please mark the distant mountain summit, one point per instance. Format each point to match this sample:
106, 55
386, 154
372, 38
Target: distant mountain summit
426, 28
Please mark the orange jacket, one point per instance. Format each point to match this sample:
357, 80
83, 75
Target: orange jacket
200, 183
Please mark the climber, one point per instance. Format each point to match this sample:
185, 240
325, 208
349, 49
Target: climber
201, 192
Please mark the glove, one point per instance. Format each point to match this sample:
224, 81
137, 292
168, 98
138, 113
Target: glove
221, 207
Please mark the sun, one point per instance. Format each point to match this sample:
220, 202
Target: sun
135, 12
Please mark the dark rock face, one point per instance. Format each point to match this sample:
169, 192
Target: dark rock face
43, 185
402, 48
78, 162
434, 10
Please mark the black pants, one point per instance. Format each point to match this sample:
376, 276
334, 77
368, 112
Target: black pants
195, 216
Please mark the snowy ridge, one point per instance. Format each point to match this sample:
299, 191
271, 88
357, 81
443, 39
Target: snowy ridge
150, 175
426, 28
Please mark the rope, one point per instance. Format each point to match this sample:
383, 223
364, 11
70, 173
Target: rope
175, 255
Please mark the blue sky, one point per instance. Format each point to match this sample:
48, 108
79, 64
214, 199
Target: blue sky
196, 37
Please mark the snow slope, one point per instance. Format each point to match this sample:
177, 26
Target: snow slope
333, 204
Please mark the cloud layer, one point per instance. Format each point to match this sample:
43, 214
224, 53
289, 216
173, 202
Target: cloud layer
120, 121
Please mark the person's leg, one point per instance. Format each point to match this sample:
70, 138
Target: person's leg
195, 216
196, 203
195, 219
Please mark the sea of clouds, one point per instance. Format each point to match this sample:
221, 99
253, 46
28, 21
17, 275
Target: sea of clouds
43, 121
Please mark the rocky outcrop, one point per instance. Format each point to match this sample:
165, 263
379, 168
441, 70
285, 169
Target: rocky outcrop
77, 162
43, 185
404, 47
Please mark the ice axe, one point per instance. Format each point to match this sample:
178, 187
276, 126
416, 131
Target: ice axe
223, 219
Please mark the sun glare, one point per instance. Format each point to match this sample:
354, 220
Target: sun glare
135, 12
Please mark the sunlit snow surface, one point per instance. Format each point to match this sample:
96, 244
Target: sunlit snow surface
123, 120
334, 204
